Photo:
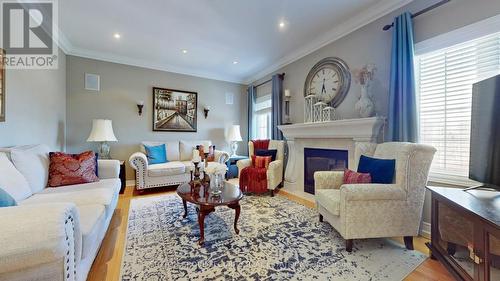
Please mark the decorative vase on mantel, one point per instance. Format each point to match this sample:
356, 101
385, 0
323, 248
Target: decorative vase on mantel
365, 106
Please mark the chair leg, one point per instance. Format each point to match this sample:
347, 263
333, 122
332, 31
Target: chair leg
320, 218
272, 192
408, 242
348, 245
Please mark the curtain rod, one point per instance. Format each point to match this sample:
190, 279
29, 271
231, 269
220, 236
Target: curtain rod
432, 7
269, 80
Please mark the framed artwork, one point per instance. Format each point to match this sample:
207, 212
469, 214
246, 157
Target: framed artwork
2, 86
174, 110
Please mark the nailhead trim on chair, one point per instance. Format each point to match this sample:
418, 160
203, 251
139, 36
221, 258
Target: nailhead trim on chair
68, 242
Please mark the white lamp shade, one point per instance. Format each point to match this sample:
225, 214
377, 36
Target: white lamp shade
234, 133
102, 130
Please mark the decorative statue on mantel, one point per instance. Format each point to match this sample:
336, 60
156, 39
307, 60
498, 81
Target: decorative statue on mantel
364, 76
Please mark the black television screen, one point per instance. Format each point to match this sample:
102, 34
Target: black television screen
484, 163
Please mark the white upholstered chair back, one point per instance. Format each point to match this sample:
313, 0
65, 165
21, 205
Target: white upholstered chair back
279, 145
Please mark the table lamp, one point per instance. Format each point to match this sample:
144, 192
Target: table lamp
234, 137
102, 132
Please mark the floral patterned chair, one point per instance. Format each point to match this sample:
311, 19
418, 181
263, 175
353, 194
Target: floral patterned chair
359, 211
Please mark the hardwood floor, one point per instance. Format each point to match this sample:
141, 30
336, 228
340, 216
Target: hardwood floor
108, 261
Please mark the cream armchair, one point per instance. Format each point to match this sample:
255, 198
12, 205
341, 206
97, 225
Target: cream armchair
359, 211
275, 169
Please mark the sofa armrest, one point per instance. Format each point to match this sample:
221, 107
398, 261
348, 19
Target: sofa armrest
274, 174
221, 156
371, 192
328, 179
241, 164
33, 235
108, 169
139, 162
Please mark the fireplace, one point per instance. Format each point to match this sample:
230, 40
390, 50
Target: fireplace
319, 159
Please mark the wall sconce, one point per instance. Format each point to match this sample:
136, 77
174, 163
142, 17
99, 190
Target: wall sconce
140, 105
206, 110
287, 98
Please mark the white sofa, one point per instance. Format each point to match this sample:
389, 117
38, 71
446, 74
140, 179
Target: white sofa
360, 211
178, 168
53, 233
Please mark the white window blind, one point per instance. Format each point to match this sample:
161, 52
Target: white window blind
444, 85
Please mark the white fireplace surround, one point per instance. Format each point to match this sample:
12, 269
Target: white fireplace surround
339, 134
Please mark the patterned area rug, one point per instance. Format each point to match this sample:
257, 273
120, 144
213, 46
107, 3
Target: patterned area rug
279, 240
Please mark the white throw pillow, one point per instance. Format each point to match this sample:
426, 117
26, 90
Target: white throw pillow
33, 163
12, 181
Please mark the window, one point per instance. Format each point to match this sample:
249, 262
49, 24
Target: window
444, 86
262, 115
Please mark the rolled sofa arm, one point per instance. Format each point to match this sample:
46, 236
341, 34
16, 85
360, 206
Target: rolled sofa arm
139, 162
37, 235
328, 179
274, 174
108, 169
243, 164
221, 156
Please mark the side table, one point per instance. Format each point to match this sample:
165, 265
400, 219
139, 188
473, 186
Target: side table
232, 169
123, 176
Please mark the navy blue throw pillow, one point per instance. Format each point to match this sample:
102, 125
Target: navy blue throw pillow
381, 170
267, 152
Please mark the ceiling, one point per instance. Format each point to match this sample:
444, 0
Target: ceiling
215, 33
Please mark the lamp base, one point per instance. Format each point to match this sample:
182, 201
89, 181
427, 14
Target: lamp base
234, 147
104, 150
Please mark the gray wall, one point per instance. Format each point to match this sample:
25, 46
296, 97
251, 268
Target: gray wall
35, 107
370, 44
122, 86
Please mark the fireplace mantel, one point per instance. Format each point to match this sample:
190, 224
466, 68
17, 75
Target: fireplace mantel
340, 134
359, 129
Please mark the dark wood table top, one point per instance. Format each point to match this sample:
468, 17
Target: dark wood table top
484, 203
200, 194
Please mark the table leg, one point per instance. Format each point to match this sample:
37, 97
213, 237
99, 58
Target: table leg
202, 213
185, 208
237, 208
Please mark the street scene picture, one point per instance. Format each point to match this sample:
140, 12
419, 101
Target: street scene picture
174, 110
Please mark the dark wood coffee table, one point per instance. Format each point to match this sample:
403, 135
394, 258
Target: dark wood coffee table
199, 194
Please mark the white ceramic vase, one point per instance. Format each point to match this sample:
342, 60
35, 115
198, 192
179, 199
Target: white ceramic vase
365, 105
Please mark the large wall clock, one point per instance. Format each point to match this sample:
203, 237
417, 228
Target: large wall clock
330, 80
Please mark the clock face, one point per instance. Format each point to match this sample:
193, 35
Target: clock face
329, 80
325, 83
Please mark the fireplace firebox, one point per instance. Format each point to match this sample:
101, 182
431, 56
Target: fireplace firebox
319, 159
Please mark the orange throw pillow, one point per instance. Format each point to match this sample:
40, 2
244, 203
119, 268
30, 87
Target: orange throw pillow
261, 161
68, 169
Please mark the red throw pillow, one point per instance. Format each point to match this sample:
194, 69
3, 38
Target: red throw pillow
355, 177
261, 161
68, 169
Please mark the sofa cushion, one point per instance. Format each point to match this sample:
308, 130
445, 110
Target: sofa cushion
12, 181
69, 169
33, 163
166, 169
329, 199
172, 148
156, 154
186, 148
92, 220
103, 192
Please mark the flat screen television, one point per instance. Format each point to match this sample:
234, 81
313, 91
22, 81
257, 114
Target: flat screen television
484, 165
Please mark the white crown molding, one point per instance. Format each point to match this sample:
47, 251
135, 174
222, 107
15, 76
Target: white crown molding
79, 52
369, 15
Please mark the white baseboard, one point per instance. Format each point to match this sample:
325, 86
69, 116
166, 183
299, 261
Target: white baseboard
130, 183
425, 230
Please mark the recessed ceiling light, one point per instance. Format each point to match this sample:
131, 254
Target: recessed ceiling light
235, 62
184, 51
117, 35
282, 24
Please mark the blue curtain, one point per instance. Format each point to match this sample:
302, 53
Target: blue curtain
277, 101
251, 102
403, 122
